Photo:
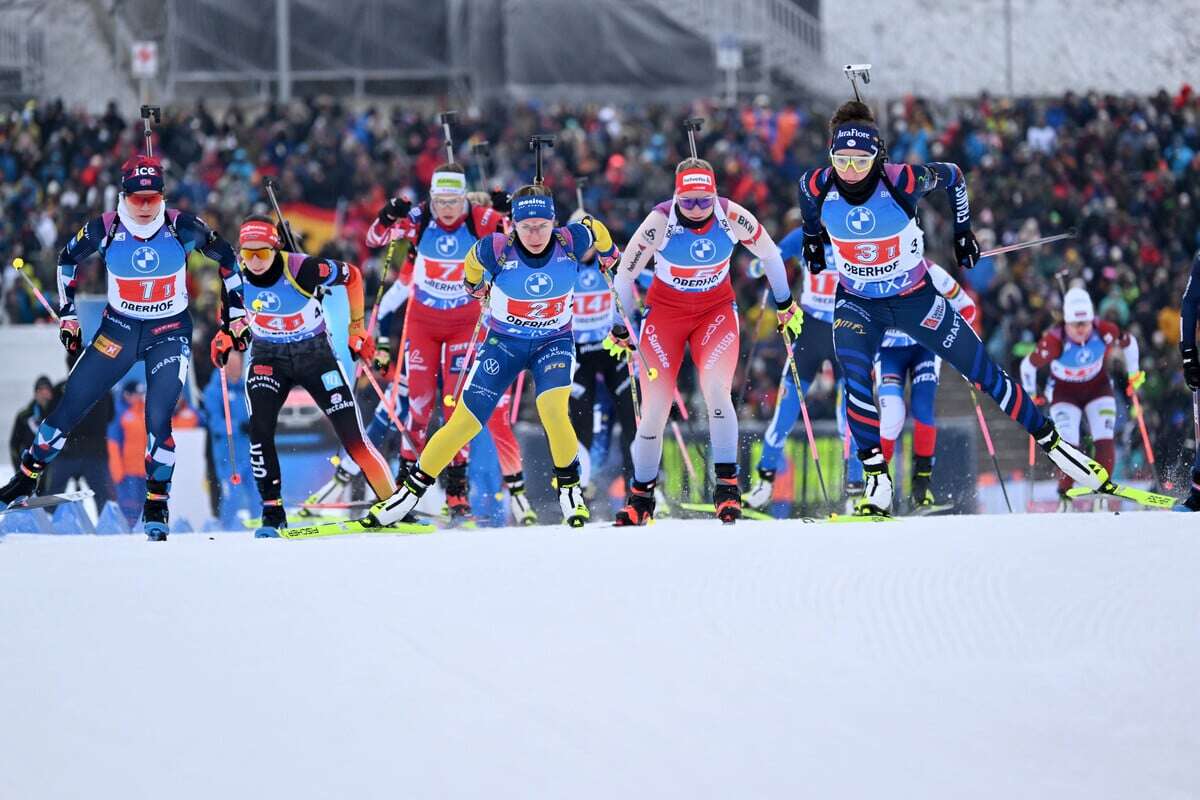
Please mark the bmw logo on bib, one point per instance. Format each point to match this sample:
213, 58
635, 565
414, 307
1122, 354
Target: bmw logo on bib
447, 245
267, 301
538, 284
703, 250
588, 279
145, 259
860, 219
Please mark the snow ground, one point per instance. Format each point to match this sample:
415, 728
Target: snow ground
1034, 656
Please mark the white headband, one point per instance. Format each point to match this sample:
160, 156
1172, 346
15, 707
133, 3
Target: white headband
448, 183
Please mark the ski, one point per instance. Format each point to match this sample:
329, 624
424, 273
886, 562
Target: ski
707, 508
933, 510
359, 505
49, 500
1139, 496
751, 514
350, 527
294, 519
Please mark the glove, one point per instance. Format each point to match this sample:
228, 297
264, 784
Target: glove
500, 201
362, 346
69, 333
220, 348
791, 317
609, 262
814, 251
239, 331
966, 249
396, 208
1136, 380
1038, 400
1191, 368
756, 269
618, 344
477, 290
383, 354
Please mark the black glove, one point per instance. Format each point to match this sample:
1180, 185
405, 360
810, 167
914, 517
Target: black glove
500, 201
966, 249
1191, 368
396, 208
814, 251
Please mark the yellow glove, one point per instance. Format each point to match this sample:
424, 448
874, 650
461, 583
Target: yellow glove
791, 318
1136, 380
618, 344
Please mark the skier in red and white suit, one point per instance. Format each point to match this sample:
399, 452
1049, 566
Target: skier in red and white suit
441, 319
1079, 385
691, 302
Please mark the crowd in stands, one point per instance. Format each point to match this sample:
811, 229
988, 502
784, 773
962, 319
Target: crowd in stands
1123, 172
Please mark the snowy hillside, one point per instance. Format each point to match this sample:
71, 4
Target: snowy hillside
986, 657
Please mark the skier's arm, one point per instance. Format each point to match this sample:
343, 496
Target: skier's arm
941, 174
1029, 376
314, 272
82, 245
812, 184
480, 264
591, 232
638, 255
194, 234
1190, 307
755, 238
960, 301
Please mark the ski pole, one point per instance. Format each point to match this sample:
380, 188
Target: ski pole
452, 399
1141, 418
516, 401
481, 151
1029, 475
651, 372
1009, 248
19, 265
387, 404
987, 438
808, 431
235, 478
762, 305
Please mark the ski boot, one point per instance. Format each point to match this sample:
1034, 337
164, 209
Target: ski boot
458, 505
274, 519
518, 502
570, 495
854, 491
921, 495
399, 507
1066, 505
877, 486
639, 506
760, 496
727, 498
1067, 458
662, 508
333, 491
1192, 503
23, 484
155, 514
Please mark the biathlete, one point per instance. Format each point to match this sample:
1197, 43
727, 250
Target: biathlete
291, 347
144, 248
691, 302
867, 209
1075, 353
528, 280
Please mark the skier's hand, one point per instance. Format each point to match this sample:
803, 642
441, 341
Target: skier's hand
477, 290
618, 344
395, 209
69, 333
500, 201
1038, 400
609, 262
220, 348
362, 346
1136, 381
791, 317
383, 354
813, 251
1191, 368
966, 249
239, 331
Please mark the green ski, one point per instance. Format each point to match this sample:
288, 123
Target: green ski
353, 526
1139, 496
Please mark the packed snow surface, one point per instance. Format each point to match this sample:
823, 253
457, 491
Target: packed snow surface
1030, 656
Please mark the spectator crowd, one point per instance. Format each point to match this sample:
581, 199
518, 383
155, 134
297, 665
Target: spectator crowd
1122, 172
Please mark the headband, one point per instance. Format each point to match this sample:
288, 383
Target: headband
696, 179
856, 136
532, 206
448, 183
258, 231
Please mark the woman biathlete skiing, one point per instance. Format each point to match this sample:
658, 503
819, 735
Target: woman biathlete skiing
144, 249
691, 302
867, 208
528, 279
291, 347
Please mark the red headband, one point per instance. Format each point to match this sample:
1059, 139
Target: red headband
258, 231
691, 180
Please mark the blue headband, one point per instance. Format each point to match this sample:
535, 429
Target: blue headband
533, 206
856, 136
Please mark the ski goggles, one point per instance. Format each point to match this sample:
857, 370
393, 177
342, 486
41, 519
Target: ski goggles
690, 203
842, 163
257, 252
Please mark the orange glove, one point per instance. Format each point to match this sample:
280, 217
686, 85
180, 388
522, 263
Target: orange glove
222, 343
361, 344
